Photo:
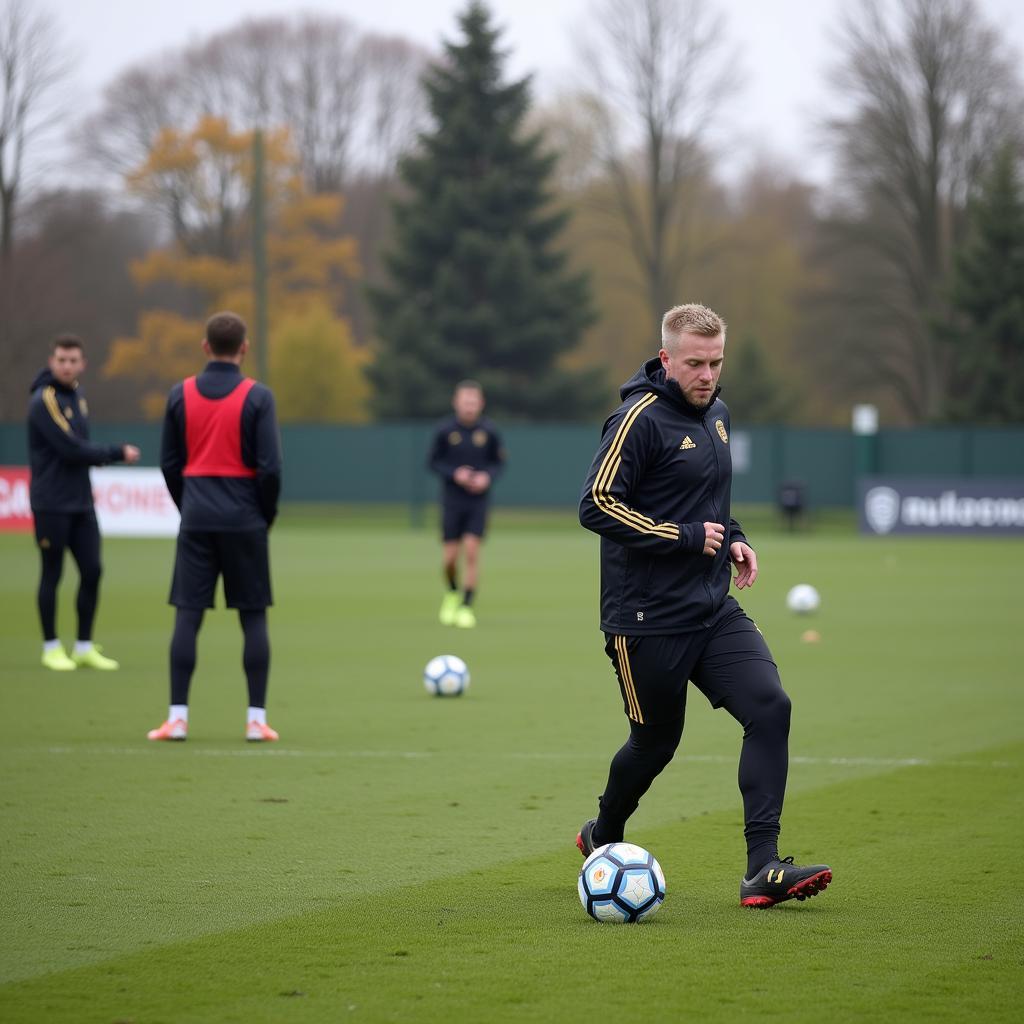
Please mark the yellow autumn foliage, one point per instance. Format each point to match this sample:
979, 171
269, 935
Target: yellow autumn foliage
314, 365
317, 371
168, 347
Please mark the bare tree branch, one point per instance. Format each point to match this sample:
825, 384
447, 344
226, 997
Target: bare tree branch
655, 77
32, 63
351, 101
933, 93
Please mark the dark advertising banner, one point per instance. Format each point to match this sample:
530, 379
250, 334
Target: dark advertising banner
941, 505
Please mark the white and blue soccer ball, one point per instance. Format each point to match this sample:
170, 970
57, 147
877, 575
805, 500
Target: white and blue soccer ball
621, 883
446, 676
803, 599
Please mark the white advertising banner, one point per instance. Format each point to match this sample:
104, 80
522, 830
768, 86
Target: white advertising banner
133, 502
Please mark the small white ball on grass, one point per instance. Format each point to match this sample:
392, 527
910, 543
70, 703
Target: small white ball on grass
803, 599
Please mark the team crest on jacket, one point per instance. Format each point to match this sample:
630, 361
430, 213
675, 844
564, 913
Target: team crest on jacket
84, 406
69, 412
479, 437
720, 426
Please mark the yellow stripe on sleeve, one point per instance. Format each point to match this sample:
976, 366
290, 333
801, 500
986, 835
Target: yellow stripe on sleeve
53, 408
610, 463
609, 468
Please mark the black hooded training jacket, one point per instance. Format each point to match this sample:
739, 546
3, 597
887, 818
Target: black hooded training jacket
59, 450
663, 469
455, 444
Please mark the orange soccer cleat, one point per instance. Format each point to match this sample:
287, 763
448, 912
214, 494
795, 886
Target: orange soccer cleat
260, 732
176, 730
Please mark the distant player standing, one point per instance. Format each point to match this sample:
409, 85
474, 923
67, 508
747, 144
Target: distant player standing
221, 457
468, 456
658, 493
60, 493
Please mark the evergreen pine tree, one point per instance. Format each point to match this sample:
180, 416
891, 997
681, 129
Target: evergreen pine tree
477, 287
987, 334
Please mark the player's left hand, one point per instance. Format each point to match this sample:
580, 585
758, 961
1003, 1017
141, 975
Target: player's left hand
480, 481
743, 557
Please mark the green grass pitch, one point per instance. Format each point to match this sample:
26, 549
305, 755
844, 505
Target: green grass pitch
403, 858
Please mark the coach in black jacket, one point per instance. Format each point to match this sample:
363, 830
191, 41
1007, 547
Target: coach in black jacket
60, 454
658, 493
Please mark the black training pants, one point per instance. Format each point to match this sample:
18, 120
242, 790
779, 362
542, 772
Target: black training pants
729, 662
255, 653
79, 533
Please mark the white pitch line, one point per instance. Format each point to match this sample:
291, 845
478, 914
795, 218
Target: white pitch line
247, 752
408, 755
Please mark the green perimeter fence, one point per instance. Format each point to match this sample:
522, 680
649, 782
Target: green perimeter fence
386, 463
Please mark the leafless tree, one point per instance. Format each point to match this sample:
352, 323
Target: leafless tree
351, 101
234, 74
32, 64
320, 95
395, 108
136, 106
931, 92
655, 74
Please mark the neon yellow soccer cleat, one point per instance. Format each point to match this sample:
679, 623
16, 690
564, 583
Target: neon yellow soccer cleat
92, 658
465, 617
58, 661
450, 604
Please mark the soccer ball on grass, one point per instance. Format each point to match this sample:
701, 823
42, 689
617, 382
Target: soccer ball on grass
621, 883
803, 599
446, 676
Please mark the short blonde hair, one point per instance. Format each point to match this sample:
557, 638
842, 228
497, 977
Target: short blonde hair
691, 318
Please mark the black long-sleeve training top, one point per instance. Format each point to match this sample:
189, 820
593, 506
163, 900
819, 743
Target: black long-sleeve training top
225, 503
663, 469
455, 444
59, 450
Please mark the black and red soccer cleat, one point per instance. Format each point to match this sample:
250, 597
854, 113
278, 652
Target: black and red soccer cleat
781, 880
585, 837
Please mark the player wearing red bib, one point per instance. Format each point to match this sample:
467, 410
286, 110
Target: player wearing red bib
221, 457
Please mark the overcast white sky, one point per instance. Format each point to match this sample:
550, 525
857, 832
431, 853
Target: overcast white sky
783, 48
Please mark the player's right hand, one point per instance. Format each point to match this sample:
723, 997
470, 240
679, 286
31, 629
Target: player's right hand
479, 482
131, 453
714, 538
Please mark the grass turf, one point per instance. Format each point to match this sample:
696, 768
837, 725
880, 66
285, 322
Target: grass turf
400, 858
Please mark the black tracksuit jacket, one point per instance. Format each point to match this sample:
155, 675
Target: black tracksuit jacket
216, 503
59, 450
663, 469
457, 445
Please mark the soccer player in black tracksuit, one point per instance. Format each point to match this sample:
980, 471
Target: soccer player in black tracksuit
467, 454
658, 493
220, 454
60, 454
